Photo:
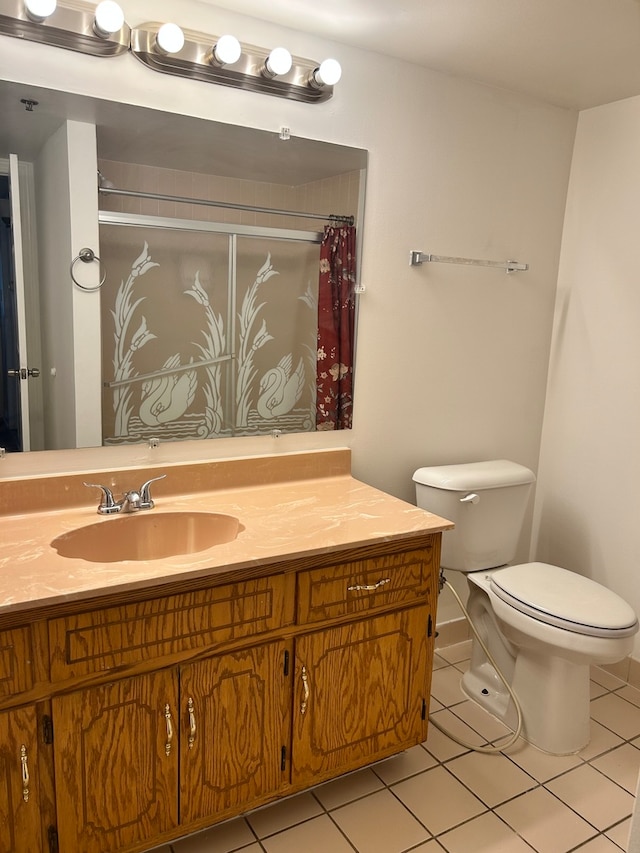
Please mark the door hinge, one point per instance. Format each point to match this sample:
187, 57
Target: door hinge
283, 758
429, 626
47, 729
286, 663
53, 840
424, 709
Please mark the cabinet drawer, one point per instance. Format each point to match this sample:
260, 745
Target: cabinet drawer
119, 636
395, 579
16, 672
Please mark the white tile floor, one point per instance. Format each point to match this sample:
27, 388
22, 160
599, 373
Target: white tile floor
440, 796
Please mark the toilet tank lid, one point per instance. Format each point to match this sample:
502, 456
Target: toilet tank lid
493, 474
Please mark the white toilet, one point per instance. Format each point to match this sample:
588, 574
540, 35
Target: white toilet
543, 625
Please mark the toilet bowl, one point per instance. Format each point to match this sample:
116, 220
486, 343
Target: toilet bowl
546, 648
543, 625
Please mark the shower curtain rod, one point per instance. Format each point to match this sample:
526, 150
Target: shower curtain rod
348, 220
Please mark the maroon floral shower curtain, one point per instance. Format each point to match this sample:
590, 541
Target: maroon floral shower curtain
336, 323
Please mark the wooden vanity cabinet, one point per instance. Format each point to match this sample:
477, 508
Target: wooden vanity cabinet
20, 824
361, 694
166, 759
174, 712
234, 733
20, 765
116, 763
137, 758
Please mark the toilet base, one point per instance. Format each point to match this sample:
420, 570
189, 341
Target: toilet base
485, 688
553, 695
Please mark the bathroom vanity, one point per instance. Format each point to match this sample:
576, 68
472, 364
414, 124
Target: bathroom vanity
143, 700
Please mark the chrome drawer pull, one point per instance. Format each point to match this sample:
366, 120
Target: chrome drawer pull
370, 587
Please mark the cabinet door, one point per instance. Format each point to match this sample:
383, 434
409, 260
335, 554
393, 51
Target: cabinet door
361, 693
116, 763
20, 829
235, 713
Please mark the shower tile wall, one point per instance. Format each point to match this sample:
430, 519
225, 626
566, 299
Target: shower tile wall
337, 195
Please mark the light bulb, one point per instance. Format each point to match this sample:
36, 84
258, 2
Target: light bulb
327, 74
39, 10
226, 50
170, 38
278, 62
109, 19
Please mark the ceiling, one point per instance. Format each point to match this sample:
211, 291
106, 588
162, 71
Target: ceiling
572, 53
168, 140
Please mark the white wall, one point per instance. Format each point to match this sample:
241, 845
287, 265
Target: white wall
451, 361
588, 501
87, 363
56, 293
67, 200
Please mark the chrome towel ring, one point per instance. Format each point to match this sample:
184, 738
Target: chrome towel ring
87, 256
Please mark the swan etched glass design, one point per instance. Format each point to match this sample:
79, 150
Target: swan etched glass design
207, 334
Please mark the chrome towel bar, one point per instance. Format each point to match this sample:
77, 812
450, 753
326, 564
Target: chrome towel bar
417, 258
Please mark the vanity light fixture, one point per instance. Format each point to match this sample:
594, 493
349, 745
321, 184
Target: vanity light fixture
328, 73
226, 51
109, 19
278, 63
100, 30
39, 10
226, 61
97, 30
169, 39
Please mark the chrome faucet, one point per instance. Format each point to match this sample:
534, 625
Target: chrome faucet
131, 501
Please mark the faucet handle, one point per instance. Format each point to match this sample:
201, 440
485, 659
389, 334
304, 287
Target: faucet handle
145, 493
107, 505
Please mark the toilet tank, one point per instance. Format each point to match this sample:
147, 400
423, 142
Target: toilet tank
486, 501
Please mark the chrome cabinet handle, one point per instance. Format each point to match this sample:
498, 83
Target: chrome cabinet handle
369, 587
305, 691
167, 716
24, 762
192, 722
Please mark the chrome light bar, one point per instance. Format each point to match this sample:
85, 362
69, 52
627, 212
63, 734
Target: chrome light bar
195, 60
100, 30
71, 26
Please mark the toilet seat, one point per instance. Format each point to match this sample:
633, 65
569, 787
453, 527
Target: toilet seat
564, 599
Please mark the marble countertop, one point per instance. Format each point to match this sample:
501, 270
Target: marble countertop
280, 521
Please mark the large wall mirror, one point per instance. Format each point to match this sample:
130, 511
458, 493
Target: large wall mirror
195, 312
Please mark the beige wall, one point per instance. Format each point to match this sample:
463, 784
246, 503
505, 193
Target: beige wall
588, 502
339, 194
451, 361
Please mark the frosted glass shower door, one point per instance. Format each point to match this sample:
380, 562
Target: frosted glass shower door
206, 334
165, 348
276, 341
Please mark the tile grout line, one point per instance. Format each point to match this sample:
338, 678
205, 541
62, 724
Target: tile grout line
584, 761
